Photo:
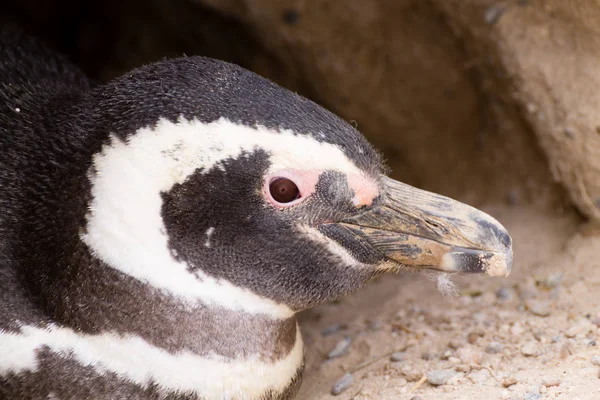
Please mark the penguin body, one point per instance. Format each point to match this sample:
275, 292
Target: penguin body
45, 196
158, 232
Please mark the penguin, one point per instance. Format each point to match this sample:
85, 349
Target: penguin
159, 232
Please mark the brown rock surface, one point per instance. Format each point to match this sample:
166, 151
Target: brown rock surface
549, 49
442, 108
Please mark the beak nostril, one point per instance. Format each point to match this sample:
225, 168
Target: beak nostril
436, 226
433, 224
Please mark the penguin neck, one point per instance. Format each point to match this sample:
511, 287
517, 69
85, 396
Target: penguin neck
99, 313
101, 302
100, 298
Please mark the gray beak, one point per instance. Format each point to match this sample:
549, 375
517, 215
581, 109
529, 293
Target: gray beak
424, 230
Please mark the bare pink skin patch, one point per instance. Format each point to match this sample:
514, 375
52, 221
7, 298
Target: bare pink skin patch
365, 189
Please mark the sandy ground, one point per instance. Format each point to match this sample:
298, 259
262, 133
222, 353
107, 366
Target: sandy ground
531, 336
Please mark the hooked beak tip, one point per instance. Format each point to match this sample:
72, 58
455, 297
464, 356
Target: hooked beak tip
476, 261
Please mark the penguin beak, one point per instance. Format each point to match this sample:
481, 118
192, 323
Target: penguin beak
424, 230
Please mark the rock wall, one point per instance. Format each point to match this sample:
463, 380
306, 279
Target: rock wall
423, 79
481, 100
551, 52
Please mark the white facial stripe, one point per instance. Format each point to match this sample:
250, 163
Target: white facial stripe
134, 359
333, 247
185, 146
125, 228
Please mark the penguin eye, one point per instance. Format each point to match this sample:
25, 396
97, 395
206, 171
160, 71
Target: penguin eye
283, 190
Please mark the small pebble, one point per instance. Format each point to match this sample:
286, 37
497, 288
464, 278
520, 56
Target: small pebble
533, 389
556, 339
474, 336
572, 332
527, 291
539, 307
566, 350
469, 355
439, 377
416, 398
480, 316
343, 384
493, 13
340, 348
552, 281
595, 360
532, 396
411, 374
398, 356
529, 349
488, 298
375, 325
538, 334
503, 294
427, 356
507, 382
494, 348
479, 377
330, 330
463, 368
415, 309
569, 132
580, 328
542, 389
549, 382
517, 329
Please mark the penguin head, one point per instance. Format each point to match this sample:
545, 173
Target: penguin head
215, 184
